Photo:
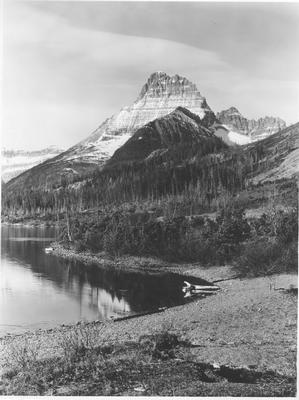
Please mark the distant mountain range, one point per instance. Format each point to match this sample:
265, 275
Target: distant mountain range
14, 162
254, 129
159, 96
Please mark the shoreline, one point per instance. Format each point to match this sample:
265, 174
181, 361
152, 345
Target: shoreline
32, 222
248, 322
146, 265
249, 325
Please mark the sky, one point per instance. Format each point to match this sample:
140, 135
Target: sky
67, 66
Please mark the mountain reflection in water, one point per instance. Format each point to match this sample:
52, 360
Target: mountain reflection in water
42, 290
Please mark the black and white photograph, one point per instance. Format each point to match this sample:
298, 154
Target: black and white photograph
149, 198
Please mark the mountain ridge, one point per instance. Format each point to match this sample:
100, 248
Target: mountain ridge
207, 172
179, 128
159, 96
255, 129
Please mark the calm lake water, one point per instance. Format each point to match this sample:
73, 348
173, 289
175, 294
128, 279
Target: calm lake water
40, 290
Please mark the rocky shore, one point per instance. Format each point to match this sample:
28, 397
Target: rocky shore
146, 265
249, 323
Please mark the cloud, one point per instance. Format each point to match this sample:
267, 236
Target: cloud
51, 68
245, 35
62, 80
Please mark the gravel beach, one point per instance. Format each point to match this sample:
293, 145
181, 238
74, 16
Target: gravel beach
249, 322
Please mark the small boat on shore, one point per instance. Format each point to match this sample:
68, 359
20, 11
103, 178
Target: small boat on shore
199, 289
49, 250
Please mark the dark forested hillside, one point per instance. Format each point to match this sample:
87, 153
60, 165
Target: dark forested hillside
176, 136
181, 157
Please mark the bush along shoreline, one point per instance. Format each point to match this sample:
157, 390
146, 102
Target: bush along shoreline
257, 246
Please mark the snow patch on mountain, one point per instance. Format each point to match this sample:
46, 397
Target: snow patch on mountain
238, 138
231, 137
15, 162
97, 152
255, 129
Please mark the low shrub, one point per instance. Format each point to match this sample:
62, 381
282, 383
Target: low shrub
289, 257
264, 256
79, 341
22, 354
161, 345
80, 246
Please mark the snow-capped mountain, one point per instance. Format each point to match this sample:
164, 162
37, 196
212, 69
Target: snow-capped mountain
255, 130
14, 162
160, 95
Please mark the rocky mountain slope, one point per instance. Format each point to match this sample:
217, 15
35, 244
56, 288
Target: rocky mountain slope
255, 172
181, 138
280, 156
180, 129
254, 129
180, 156
160, 95
13, 163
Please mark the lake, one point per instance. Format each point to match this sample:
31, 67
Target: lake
40, 290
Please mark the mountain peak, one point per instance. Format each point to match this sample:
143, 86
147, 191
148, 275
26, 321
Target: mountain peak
232, 110
160, 84
158, 75
255, 129
161, 95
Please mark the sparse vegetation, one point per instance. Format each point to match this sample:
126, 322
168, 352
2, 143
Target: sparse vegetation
158, 364
84, 361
